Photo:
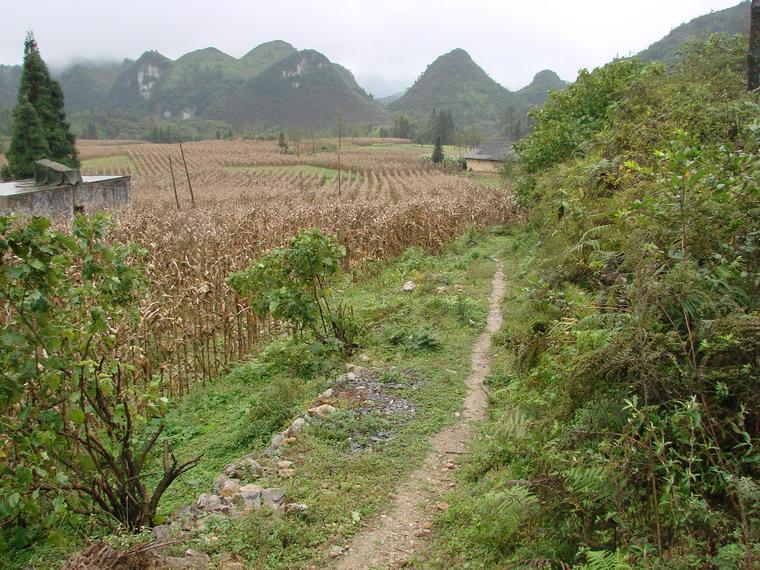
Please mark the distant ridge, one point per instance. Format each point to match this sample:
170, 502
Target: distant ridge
456, 83
304, 89
734, 20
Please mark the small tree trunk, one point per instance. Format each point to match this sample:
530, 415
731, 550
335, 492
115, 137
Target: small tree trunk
753, 58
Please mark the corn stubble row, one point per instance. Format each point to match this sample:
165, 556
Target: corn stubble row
248, 198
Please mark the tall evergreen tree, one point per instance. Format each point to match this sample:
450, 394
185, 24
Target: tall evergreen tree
27, 141
437, 157
39, 90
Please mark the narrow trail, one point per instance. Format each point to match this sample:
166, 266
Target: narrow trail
397, 535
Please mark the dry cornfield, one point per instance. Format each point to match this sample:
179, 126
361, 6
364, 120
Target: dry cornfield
250, 197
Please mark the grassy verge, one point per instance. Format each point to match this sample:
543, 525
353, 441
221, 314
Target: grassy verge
304, 169
472, 533
117, 161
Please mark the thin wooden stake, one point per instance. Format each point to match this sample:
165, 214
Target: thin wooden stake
338, 174
192, 197
174, 182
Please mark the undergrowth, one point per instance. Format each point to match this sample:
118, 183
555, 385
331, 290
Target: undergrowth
624, 423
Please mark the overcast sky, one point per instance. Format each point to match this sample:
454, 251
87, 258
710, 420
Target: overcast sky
386, 43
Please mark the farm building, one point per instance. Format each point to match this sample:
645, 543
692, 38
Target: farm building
490, 155
58, 191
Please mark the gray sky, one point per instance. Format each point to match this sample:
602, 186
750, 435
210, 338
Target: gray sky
386, 43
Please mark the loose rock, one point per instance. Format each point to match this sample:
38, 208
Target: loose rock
325, 396
272, 497
210, 502
250, 496
408, 287
295, 508
296, 427
230, 488
229, 561
193, 559
336, 551
162, 532
322, 410
219, 482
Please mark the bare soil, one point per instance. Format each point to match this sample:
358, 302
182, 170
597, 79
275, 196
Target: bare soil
396, 536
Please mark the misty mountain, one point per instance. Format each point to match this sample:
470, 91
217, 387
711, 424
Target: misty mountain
535, 94
303, 90
456, 83
87, 86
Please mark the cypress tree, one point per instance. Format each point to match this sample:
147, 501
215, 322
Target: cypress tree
437, 157
27, 140
45, 96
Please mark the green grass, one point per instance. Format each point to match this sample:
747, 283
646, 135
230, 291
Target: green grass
487, 179
448, 150
471, 533
304, 169
117, 161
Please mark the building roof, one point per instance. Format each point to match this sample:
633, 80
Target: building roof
495, 148
29, 185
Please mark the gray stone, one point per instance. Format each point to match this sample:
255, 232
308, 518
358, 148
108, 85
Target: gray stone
214, 503
272, 497
250, 496
336, 551
230, 488
325, 396
219, 482
408, 287
192, 559
245, 468
296, 427
229, 561
284, 464
162, 532
209, 502
277, 441
251, 468
355, 368
322, 410
295, 508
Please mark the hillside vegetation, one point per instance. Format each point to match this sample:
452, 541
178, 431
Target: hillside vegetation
624, 424
734, 20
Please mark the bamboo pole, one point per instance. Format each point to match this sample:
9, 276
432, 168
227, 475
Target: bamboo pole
174, 182
182, 152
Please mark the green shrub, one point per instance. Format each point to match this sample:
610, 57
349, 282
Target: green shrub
76, 434
292, 284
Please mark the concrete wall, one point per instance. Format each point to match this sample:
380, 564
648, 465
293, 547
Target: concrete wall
110, 194
63, 201
478, 165
52, 202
